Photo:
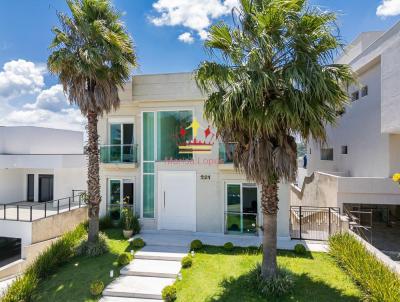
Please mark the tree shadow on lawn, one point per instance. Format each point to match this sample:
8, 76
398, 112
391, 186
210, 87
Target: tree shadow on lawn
305, 290
252, 250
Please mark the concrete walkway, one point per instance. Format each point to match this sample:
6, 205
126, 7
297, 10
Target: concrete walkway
143, 280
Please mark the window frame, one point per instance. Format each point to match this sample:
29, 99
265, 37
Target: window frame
327, 157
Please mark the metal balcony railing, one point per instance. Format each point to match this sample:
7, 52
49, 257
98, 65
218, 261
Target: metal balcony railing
31, 211
118, 154
226, 151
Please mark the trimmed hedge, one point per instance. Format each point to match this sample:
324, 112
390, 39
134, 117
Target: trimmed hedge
138, 243
169, 293
196, 245
300, 249
377, 281
124, 259
186, 262
59, 252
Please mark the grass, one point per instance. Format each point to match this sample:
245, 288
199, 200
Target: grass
218, 275
72, 281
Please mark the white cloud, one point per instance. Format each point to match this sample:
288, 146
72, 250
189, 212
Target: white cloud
65, 119
195, 15
388, 8
24, 99
52, 99
20, 78
186, 38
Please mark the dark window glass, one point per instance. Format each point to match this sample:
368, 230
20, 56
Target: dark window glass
326, 154
355, 96
46, 187
31, 187
344, 149
364, 91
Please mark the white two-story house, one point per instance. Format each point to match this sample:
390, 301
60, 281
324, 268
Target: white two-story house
160, 157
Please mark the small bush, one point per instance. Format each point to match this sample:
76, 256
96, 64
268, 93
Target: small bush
280, 285
196, 245
136, 225
187, 262
300, 249
59, 252
169, 293
105, 223
376, 279
96, 288
127, 219
86, 248
124, 259
228, 246
138, 243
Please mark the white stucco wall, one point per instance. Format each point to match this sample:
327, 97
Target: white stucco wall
37, 140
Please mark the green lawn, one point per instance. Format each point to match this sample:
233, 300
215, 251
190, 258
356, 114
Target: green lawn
72, 281
216, 275
220, 276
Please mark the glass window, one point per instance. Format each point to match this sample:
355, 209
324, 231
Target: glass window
148, 195
115, 191
169, 126
355, 96
115, 134
241, 216
344, 150
327, 154
148, 136
364, 91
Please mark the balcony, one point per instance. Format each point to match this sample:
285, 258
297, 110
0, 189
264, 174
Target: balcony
118, 154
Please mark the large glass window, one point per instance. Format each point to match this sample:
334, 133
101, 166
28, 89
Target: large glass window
169, 136
241, 208
121, 147
121, 194
148, 165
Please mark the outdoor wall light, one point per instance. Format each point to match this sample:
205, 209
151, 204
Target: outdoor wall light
132, 252
192, 253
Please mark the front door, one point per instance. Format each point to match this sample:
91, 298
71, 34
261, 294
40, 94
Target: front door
177, 200
46, 187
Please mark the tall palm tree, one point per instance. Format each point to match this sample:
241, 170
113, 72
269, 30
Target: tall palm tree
272, 79
92, 54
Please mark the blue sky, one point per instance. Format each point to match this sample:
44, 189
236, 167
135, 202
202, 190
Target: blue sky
168, 38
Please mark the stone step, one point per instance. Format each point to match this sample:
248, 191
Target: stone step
121, 299
137, 287
167, 253
152, 268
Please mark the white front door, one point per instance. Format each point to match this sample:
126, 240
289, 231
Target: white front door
177, 200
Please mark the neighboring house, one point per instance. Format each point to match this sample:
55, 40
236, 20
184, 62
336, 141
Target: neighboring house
41, 170
353, 168
160, 157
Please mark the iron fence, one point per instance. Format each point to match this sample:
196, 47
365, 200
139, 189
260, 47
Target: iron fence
314, 223
30, 211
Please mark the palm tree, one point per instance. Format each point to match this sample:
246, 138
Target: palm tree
272, 80
92, 54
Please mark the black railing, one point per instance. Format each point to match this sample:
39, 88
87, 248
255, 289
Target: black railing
314, 223
31, 211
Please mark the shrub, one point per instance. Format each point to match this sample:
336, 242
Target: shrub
376, 279
138, 243
281, 284
300, 249
59, 252
86, 248
127, 219
169, 293
228, 246
196, 245
136, 225
124, 259
186, 262
96, 288
105, 223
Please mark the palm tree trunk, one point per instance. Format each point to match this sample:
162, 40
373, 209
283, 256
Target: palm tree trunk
93, 177
269, 205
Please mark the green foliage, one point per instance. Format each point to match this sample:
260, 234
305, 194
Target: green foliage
124, 259
300, 249
187, 262
280, 285
105, 223
169, 293
96, 288
376, 279
196, 245
136, 225
127, 219
45, 264
91, 249
138, 243
21, 289
228, 246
